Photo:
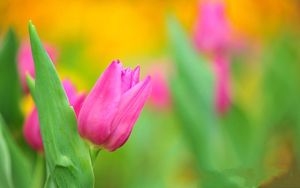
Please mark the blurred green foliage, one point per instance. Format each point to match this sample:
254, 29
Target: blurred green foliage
10, 89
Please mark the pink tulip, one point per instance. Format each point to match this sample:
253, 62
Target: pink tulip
113, 106
32, 127
160, 97
212, 31
221, 65
31, 131
76, 99
26, 64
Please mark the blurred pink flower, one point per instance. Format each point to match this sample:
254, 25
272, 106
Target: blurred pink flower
212, 30
112, 107
214, 35
31, 127
76, 99
26, 64
160, 97
31, 131
221, 66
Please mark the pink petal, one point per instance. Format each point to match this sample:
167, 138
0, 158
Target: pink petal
130, 108
101, 105
70, 91
126, 79
130, 78
31, 131
135, 76
78, 102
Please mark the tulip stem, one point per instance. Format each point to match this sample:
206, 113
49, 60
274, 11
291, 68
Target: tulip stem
38, 172
94, 152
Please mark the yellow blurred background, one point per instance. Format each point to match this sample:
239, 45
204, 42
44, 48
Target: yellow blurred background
130, 30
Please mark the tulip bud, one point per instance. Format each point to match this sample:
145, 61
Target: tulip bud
212, 31
112, 107
32, 127
26, 64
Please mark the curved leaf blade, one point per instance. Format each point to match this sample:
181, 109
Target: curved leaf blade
67, 155
10, 88
5, 163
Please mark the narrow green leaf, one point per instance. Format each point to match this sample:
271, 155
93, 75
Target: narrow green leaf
280, 90
215, 179
193, 90
10, 89
31, 85
5, 163
281, 80
195, 75
192, 68
67, 155
281, 87
238, 127
49, 181
20, 178
37, 181
189, 114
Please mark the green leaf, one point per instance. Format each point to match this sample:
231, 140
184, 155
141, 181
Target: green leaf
49, 181
238, 127
10, 89
215, 179
281, 89
195, 70
31, 85
19, 165
281, 80
67, 155
5, 167
189, 112
37, 181
193, 90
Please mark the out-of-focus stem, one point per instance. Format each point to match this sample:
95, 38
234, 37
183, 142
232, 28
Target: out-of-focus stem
38, 173
94, 152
